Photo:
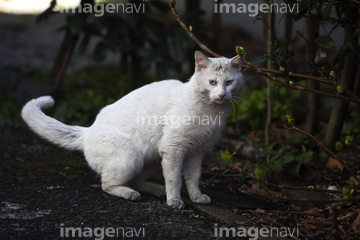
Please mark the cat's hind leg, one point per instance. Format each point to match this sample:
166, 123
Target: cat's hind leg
152, 188
121, 171
115, 181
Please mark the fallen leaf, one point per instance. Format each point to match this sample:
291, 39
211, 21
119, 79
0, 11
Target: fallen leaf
334, 165
259, 210
356, 224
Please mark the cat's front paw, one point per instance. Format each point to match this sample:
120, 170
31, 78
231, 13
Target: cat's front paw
201, 198
176, 203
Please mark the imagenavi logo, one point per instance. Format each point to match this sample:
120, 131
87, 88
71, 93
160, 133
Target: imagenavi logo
253, 9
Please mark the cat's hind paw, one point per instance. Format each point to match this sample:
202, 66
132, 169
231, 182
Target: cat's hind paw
201, 198
132, 196
176, 203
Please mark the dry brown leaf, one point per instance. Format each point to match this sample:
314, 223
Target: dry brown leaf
259, 210
356, 224
312, 210
334, 165
265, 193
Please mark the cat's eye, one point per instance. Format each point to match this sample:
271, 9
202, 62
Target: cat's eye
212, 82
229, 82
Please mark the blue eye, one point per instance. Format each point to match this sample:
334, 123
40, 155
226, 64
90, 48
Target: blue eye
229, 82
212, 82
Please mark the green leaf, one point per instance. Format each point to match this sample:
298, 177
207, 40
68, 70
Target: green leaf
260, 172
276, 165
227, 156
288, 158
338, 146
290, 118
340, 89
347, 191
315, 9
352, 184
303, 9
349, 140
325, 42
321, 57
308, 154
259, 60
327, 9
239, 50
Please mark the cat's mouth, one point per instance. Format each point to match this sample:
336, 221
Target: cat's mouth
220, 100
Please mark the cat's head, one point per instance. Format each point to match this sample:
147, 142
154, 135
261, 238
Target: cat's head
218, 80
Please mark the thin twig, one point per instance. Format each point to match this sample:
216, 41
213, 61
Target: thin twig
325, 148
268, 82
193, 37
294, 86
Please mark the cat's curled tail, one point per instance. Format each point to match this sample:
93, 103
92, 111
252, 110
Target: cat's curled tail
69, 137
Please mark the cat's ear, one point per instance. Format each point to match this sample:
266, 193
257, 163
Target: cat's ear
201, 61
236, 62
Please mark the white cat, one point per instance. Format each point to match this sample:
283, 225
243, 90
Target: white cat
133, 137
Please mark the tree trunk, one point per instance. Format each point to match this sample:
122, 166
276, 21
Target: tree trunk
63, 58
216, 26
312, 117
65, 52
269, 31
348, 77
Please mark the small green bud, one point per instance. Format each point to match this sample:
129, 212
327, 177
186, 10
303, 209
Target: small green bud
239, 50
349, 140
282, 69
347, 191
352, 184
340, 89
290, 118
292, 83
332, 74
190, 28
227, 156
338, 146
311, 188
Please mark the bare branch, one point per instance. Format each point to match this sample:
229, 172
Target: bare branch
265, 71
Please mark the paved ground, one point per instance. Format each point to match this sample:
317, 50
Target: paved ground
46, 190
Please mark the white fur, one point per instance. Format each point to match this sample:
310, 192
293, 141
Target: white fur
124, 150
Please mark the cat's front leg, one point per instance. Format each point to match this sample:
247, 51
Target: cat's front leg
171, 164
192, 173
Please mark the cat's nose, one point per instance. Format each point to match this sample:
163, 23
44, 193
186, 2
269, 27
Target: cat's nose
222, 95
